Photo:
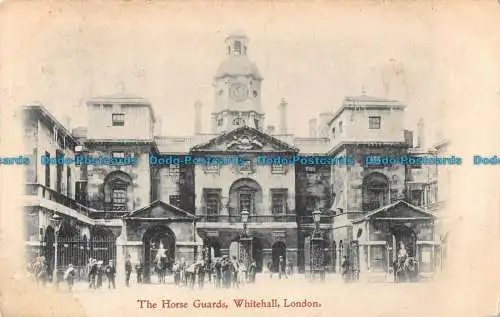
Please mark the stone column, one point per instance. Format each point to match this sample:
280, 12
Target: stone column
121, 256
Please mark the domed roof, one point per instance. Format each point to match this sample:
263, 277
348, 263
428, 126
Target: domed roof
238, 65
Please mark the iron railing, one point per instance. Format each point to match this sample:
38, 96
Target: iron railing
46, 193
251, 219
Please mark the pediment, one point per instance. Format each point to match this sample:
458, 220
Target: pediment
399, 210
160, 210
245, 139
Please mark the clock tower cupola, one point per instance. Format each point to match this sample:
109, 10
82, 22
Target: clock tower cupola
237, 86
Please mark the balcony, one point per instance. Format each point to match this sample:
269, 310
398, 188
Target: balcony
44, 192
251, 219
325, 219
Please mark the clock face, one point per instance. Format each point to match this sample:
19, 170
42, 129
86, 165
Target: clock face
238, 92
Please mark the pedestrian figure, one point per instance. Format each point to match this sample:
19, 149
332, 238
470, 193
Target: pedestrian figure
99, 273
138, 270
217, 273
41, 271
190, 275
201, 274
234, 270
270, 269
110, 274
69, 276
281, 268
290, 268
252, 271
128, 271
345, 269
92, 269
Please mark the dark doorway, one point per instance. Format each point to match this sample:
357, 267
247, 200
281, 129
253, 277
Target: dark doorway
257, 254
404, 236
157, 240
278, 250
48, 251
212, 249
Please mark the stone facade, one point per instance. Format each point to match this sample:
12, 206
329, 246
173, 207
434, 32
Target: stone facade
188, 207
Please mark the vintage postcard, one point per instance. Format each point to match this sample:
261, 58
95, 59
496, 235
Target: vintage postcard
272, 158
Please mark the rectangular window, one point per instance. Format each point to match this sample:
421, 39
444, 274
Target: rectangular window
245, 201
175, 200
118, 154
68, 181
416, 197
310, 203
119, 199
278, 197
174, 170
212, 168
59, 172
256, 121
310, 169
340, 127
374, 122
212, 201
118, 119
277, 169
47, 171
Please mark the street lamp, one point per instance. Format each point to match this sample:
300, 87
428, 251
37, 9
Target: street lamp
245, 253
317, 218
244, 219
317, 249
56, 221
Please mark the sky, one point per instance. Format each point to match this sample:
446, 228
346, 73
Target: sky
313, 55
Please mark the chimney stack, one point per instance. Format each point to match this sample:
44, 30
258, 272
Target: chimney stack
197, 117
313, 128
420, 133
324, 119
283, 113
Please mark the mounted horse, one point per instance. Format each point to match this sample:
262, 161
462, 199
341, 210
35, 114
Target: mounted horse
406, 270
161, 264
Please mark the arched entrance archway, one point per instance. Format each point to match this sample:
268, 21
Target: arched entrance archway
403, 236
278, 250
244, 194
257, 254
158, 238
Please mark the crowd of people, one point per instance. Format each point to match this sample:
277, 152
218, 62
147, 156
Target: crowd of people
223, 272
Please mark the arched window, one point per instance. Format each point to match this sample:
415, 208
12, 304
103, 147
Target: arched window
237, 48
375, 191
117, 186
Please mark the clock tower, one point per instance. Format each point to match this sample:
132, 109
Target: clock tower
237, 87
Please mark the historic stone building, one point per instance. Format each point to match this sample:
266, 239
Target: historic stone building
111, 212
